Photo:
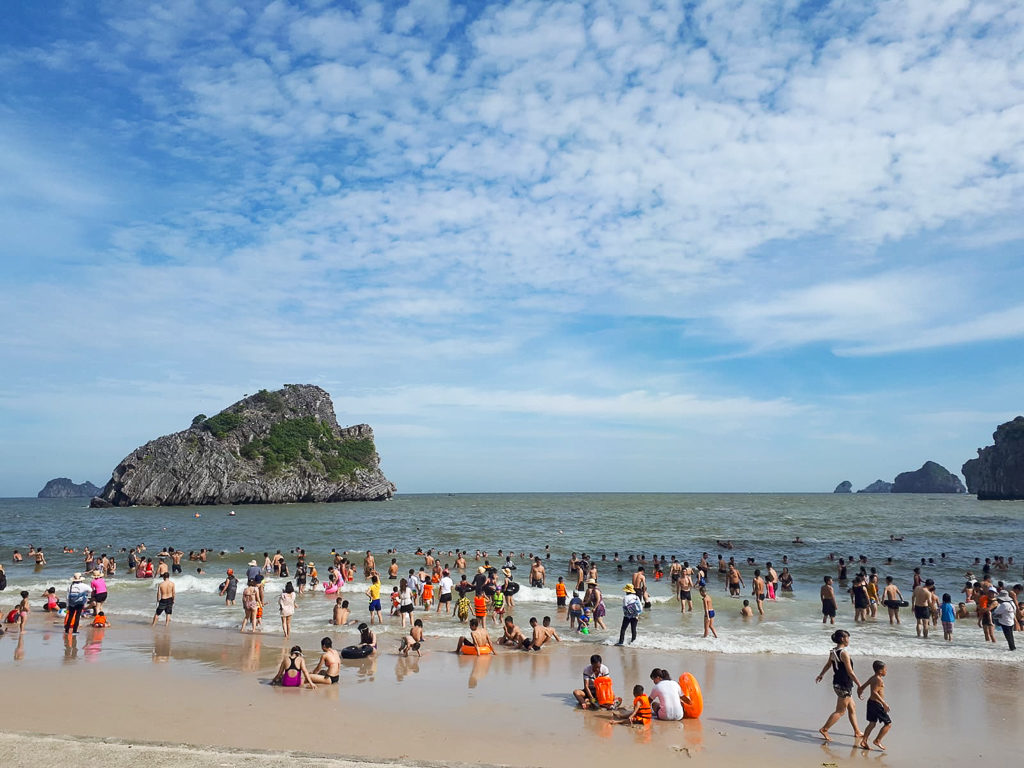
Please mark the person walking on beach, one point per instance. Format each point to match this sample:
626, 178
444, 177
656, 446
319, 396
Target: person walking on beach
286, 604
709, 613
164, 599
631, 610
843, 681
878, 708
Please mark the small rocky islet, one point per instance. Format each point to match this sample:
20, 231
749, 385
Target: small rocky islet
274, 447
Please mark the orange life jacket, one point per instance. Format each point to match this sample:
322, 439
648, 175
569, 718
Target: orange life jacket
603, 690
480, 606
560, 589
644, 713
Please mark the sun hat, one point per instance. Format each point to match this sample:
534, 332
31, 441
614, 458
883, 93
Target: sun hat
252, 562
97, 574
481, 569
506, 571
592, 582
629, 588
77, 577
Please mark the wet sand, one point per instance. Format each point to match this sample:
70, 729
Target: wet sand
202, 687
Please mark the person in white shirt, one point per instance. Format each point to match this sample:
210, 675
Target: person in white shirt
587, 695
446, 584
666, 696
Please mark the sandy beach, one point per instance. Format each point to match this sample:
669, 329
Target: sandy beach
188, 686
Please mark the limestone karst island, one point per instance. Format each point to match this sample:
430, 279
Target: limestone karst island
268, 448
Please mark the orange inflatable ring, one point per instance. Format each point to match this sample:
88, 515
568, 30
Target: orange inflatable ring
472, 650
692, 691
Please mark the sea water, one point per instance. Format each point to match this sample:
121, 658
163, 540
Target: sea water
761, 526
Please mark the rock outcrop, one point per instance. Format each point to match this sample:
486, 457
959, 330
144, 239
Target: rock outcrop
879, 486
998, 472
930, 478
64, 488
269, 448
844, 487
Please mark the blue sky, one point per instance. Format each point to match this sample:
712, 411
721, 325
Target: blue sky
536, 245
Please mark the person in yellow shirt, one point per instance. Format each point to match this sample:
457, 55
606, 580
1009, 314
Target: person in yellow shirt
374, 594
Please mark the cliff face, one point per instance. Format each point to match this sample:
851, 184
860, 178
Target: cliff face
269, 448
844, 487
63, 488
998, 472
879, 486
930, 478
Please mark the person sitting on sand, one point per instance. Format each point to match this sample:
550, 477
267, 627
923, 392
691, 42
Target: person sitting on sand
329, 662
414, 640
542, 633
586, 696
292, 671
478, 637
667, 698
641, 714
513, 635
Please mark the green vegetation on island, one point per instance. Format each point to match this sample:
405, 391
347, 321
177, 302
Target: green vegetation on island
306, 439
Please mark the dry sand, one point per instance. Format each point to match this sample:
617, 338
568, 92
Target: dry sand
200, 687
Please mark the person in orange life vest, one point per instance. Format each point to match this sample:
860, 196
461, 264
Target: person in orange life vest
641, 714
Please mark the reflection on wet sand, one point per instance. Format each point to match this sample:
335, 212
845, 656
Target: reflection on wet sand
479, 670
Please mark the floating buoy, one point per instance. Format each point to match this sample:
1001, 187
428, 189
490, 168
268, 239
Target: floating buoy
197, 515
692, 691
231, 513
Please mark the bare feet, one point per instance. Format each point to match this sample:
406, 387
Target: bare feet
878, 744
863, 744
824, 734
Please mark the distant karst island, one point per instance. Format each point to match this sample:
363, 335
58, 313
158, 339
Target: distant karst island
65, 488
268, 448
998, 472
930, 478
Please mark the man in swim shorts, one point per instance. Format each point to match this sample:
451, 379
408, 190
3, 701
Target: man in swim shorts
478, 637
537, 573
164, 599
329, 662
828, 601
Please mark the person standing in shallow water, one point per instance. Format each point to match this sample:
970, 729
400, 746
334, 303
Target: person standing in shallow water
631, 610
709, 613
843, 681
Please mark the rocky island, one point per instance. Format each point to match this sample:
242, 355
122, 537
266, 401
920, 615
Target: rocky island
930, 478
844, 487
64, 488
998, 472
268, 448
879, 486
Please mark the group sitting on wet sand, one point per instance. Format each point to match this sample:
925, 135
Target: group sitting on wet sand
666, 701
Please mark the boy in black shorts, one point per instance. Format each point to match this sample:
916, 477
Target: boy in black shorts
878, 710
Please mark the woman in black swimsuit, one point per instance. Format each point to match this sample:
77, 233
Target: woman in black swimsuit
843, 681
